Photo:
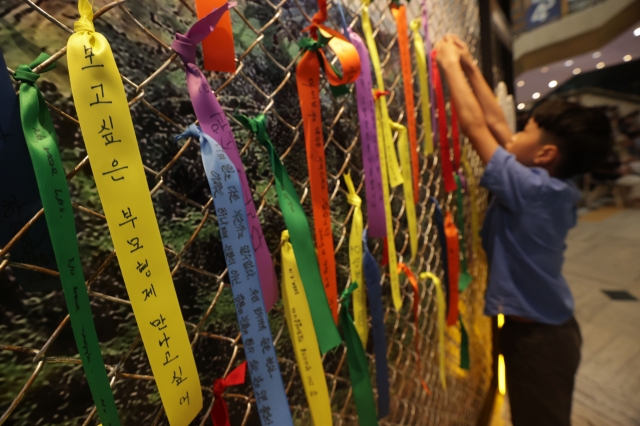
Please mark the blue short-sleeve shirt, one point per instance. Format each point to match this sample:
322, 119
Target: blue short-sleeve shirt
524, 235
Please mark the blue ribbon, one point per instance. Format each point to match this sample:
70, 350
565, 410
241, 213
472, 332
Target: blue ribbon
228, 201
20, 200
439, 218
374, 295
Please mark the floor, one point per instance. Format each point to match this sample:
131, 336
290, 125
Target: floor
603, 253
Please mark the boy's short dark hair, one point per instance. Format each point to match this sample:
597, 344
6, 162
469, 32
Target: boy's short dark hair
583, 135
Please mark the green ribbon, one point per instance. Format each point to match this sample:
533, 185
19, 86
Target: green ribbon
58, 212
465, 278
301, 240
464, 345
357, 362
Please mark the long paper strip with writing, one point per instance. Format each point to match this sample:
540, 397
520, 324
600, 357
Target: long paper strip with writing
374, 293
58, 212
473, 194
387, 149
214, 122
465, 277
308, 83
117, 168
20, 200
416, 306
453, 263
399, 13
441, 307
409, 205
355, 263
217, 47
390, 252
423, 79
358, 368
303, 337
427, 46
298, 227
445, 153
224, 182
369, 139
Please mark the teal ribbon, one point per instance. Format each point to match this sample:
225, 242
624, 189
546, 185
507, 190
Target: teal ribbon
301, 240
357, 362
58, 212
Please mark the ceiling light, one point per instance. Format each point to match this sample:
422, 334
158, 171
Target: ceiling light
544, 69
576, 71
521, 106
636, 32
627, 58
536, 95
600, 65
596, 55
568, 63
521, 83
553, 83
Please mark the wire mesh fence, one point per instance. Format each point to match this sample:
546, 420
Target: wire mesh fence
42, 381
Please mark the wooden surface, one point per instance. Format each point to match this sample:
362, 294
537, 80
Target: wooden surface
603, 253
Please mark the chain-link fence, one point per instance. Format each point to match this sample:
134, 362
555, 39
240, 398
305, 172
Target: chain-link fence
41, 379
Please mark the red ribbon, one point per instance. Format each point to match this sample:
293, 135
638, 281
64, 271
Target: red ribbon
385, 252
220, 412
453, 261
455, 136
416, 304
377, 93
447, 168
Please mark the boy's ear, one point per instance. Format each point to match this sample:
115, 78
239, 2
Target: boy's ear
547, 155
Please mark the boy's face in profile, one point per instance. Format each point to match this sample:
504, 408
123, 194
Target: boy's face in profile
529, 148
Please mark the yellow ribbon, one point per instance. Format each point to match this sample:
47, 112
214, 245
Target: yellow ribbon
473, 192
441, 324
395, 178
359, 295
407, 186
111, 143
391, 244
425, 102
303, 336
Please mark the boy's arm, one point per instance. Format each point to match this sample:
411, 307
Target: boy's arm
470, 115
493, 114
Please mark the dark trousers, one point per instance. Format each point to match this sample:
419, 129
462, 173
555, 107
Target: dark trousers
541, 361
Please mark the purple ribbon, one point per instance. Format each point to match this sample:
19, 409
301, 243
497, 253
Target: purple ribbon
370, 154
432, 96
214, 123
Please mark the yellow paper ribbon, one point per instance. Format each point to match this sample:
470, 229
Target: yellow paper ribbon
111, 143
473, 192
441, 324
395, 178
391, 244
425, 102
359, 295
303, 336
407, 186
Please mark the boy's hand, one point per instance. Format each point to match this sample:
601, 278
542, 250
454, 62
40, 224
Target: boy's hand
466, 59
448, 51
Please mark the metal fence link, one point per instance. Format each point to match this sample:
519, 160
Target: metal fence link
42, 382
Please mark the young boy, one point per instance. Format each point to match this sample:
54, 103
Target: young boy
524, 231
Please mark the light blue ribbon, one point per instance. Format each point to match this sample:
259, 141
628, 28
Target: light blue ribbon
262, 361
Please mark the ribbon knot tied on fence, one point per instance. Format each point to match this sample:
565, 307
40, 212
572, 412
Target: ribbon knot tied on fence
185, 45
24, 73
85, 23
220, 411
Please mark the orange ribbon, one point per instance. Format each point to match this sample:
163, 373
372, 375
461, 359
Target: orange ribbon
218, 47
402, 267
453, 260
308, 82
447, 168
220, 411
377, 93
400, 15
